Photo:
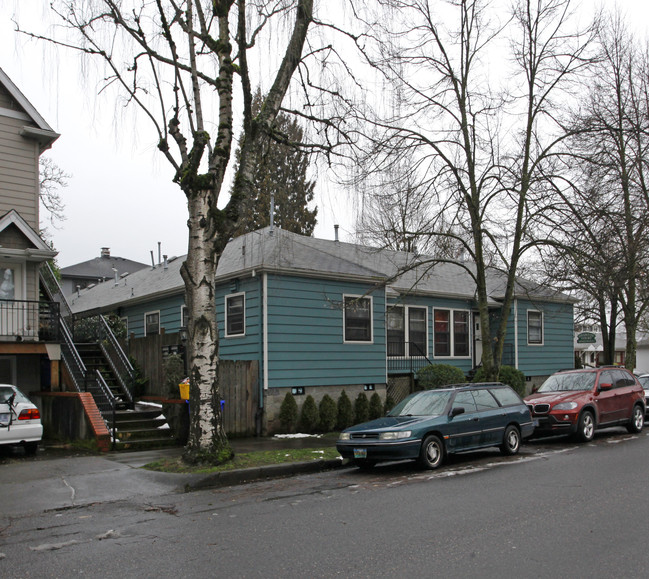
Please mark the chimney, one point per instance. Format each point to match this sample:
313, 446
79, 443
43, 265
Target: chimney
105, 252
336, 232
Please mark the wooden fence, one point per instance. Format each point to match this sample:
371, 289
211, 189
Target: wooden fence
238, 380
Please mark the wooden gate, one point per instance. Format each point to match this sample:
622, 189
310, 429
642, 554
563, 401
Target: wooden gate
239, 382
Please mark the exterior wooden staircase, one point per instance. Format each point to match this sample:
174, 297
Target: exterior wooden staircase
142, 428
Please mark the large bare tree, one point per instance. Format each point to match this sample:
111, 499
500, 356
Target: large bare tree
187, 66
483, 135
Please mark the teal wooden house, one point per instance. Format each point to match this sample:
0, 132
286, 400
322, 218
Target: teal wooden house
320, 316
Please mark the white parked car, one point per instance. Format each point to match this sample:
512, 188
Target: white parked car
644, 380
20, 420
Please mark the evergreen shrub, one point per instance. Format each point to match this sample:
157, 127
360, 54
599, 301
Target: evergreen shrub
389, 404
376, 406
345, 415
310, 417
328, 411
438, 375
288, 413
361, 408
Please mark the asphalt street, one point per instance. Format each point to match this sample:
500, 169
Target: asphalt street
557, 509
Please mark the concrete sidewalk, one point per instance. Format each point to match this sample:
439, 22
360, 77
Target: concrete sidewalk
54, 480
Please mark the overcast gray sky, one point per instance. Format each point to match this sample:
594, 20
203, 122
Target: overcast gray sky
120, 194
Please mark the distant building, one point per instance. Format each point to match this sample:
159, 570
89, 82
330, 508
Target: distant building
100, 269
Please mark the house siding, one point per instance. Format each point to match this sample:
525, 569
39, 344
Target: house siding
305, 334
169, 314
18, 171
557, 351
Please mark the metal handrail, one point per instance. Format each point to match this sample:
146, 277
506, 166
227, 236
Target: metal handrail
53, 290
117, 358
415, 359
71, 357
106, 403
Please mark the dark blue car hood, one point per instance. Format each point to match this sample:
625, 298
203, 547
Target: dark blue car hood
389, 423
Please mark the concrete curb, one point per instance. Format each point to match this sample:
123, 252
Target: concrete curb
272, 471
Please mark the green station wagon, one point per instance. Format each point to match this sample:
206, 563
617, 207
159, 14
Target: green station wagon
428, 425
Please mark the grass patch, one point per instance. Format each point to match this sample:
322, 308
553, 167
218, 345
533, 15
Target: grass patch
246, 460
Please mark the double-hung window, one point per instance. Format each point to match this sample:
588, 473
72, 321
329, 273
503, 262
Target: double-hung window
235, 315
151, 323
407, 334
357, 319
535, 327
451, 333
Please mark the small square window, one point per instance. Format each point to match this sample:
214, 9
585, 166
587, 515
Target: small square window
358, 319
151, 323
534, 327
235, 315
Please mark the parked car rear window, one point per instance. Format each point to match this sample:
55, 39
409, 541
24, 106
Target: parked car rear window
506, 396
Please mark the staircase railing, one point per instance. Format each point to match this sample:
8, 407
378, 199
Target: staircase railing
117, 359
71, 358
95, 329
406, 357
105, 401
54, 292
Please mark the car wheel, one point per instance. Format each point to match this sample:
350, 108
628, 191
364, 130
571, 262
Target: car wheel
432, 452
31, 448
637, 420
586, 426
364, 463
511, 441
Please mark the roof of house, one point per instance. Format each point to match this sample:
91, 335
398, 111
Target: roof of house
100, 267
43, 133
281, 251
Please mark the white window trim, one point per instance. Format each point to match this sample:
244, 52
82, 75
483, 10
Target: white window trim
542, 342
452, 356
124, 320
363, 342
182, 309
406, 328
225, 312
159, 320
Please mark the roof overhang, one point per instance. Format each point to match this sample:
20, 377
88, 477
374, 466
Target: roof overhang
39, 252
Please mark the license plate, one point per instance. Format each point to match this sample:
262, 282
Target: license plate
536, 422
360, 453
4, 418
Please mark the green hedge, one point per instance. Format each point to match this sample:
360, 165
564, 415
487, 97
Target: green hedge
438, 375
508, 375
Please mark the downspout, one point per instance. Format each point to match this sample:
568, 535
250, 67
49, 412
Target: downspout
265, 330
516, 334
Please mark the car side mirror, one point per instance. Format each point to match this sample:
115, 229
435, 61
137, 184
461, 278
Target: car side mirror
457, 410
605, 386
534, 389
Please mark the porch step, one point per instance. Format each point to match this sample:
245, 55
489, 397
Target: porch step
142, 428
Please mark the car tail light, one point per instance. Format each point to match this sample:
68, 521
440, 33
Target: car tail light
30, 414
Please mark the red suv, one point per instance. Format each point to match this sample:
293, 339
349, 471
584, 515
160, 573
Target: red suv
580, 401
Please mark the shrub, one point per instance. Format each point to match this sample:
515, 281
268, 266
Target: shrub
309, 418
288, 413
361, 408
345, 415
389, 404
376, 406
508, 375
327, 408
438, 375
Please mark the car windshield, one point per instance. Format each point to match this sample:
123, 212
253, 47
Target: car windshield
569, 381
644, 380
431, 402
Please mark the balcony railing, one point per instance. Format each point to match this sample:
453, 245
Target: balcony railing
29, 320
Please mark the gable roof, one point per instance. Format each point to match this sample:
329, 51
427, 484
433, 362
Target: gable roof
281, 251
102, 267
39, 250
42, 132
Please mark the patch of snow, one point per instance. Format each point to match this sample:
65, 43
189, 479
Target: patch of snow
165, 426
154, 404
297, 435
